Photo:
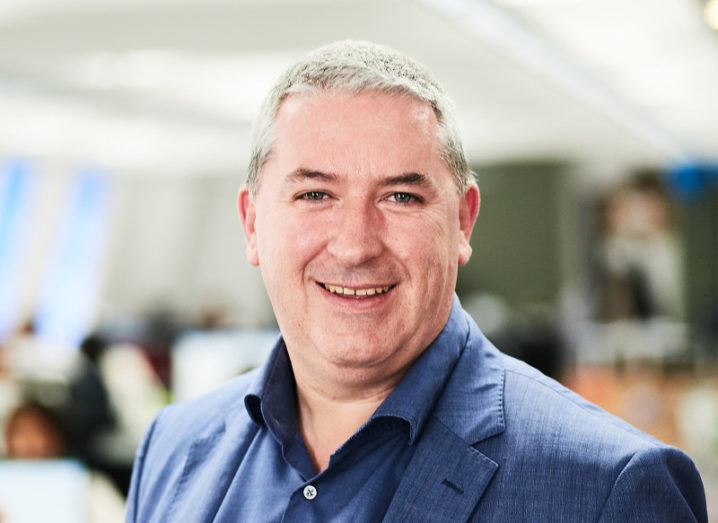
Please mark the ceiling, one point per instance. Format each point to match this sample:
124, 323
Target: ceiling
171, 87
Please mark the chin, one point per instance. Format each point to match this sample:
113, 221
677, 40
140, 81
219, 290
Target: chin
357, 354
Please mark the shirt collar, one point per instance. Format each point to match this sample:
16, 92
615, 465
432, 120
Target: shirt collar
271, 399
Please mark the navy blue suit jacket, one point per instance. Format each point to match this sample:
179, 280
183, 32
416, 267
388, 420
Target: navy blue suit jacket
504, 443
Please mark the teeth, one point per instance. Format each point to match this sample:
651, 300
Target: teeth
347, 291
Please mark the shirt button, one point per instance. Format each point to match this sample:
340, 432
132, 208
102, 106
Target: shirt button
310, 492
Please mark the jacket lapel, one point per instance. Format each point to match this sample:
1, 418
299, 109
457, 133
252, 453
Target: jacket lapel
444, 481
447, 476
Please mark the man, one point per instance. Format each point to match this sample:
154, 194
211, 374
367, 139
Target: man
382, 400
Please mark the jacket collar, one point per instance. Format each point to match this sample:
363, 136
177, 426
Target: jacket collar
472, 404
447, 476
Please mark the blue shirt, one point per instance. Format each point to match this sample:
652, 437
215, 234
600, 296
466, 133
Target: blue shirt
276, 480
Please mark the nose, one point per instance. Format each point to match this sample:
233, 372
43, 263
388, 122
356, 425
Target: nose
358, 234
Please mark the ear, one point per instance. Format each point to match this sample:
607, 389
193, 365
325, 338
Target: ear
468, 211
248, 215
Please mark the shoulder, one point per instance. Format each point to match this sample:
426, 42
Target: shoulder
181, 433
205, 414
532, 410
567, 452
540, 407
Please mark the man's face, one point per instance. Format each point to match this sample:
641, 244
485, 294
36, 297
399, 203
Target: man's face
358, 229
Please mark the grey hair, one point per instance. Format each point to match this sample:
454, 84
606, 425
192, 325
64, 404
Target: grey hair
359, 66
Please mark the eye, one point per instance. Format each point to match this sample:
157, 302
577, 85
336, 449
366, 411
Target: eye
314, 196
403, 197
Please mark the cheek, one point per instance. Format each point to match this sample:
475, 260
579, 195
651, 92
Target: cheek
428, 243
306, 236
287, 241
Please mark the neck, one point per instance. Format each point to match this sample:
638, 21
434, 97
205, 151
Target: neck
327, 420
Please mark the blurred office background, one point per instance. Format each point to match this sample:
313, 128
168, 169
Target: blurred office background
593, 127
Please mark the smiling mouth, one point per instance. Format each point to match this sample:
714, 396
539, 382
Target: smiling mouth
356, 292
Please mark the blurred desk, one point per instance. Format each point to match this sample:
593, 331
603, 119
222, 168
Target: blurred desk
61, 491
34, 491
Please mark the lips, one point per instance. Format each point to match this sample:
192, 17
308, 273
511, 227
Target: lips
361, 292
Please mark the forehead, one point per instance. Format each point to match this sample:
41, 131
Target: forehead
367, 131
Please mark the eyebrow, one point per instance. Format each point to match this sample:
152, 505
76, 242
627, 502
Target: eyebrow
301, 174
410, 178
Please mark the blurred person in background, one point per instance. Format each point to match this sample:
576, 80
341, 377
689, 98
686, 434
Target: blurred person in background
640, 255
101, 397
382, 400
70, 381
90, 411
35, 432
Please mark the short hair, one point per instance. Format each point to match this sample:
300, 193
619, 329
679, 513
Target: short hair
359, 66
